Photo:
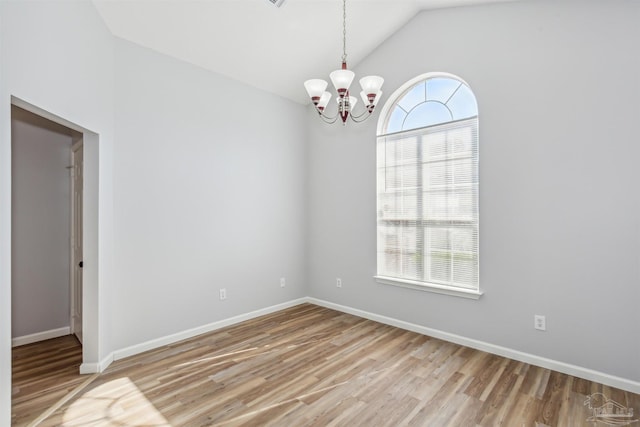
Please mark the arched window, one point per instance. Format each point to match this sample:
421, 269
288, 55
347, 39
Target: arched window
427, 186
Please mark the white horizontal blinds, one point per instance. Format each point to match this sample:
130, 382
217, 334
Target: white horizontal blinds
399, 234
450, 194
428, 204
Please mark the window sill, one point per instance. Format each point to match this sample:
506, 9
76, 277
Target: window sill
430, 287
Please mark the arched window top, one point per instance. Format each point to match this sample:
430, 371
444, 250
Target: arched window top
427, 100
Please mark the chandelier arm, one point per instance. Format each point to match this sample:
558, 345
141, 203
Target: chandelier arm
366, 113
364, 116
328, 119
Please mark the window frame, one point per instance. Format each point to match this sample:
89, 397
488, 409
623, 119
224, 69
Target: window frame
383, 123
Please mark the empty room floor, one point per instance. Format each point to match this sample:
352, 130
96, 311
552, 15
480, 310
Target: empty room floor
312, 366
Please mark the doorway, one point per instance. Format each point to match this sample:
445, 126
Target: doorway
41, 227
88, 297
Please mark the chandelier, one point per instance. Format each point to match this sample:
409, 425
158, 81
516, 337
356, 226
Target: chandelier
341, 79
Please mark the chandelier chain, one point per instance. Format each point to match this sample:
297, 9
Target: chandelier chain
344, 30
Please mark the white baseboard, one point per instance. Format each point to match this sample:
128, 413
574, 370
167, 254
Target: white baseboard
40, 336
96, 368
190, 333
89, 368
565, 368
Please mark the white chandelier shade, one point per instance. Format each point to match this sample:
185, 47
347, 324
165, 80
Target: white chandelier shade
371, 85
324, 100
341, 80
315, 89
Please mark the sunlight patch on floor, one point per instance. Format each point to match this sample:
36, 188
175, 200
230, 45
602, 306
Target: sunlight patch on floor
116, 403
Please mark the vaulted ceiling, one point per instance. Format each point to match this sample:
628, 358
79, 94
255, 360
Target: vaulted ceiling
255, 42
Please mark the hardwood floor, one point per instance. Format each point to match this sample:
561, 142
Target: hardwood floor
42, 374
311, 366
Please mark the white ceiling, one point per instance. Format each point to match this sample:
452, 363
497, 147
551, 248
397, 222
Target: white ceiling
253, 41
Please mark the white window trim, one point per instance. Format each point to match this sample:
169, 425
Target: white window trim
430, 287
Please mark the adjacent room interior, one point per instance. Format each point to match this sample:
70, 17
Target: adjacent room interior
172, 199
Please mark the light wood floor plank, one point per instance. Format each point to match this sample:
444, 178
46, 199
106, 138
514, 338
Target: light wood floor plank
303, 366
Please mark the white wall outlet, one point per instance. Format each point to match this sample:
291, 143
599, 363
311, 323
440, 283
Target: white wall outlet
223, 293
540, 322
283, 282
338, 282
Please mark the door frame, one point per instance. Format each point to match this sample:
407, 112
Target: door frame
73, 289
91, 362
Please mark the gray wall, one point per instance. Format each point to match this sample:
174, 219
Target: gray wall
40, 211
557, 89
208, 194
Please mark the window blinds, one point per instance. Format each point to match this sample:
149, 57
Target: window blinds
427, 203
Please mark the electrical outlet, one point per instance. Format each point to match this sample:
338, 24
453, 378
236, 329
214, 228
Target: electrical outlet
283, 282
540, 322
338, 282
223, 293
